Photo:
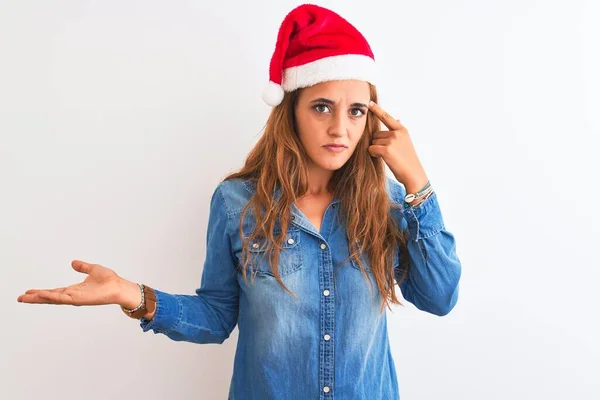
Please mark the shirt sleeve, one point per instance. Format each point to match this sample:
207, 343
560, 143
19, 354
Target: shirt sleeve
211, 314
432, 282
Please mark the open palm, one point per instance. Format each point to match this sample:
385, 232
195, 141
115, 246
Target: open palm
100, 287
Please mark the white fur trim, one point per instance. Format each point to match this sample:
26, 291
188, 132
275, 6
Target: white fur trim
347, 66
272, 94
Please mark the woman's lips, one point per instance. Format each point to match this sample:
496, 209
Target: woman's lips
335, 149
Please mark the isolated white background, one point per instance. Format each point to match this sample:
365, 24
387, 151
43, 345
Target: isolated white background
118, 118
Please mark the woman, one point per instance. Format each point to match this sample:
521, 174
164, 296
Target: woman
309, 306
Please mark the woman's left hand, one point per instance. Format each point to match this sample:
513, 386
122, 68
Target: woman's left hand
396, 148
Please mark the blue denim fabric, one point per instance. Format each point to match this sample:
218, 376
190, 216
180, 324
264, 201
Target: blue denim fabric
333, 341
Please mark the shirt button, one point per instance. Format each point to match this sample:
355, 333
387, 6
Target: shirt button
327, 337
326, 389
291, 241
326, 292
323, 246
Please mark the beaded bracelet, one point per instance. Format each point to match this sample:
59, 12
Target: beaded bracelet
141, 285
406, 205
424, 194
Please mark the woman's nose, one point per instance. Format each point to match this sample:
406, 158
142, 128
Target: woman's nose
338, 125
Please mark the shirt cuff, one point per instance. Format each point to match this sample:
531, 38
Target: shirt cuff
425, 219
167, 315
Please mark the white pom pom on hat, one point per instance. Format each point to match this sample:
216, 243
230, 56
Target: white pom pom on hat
273, 94
314, 45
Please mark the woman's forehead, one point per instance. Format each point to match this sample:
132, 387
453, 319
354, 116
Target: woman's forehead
349, 90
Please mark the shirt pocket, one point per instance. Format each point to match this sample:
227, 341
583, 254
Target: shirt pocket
290, 256
365, 262
367, 265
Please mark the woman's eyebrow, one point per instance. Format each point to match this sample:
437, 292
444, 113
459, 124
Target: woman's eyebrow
330, 102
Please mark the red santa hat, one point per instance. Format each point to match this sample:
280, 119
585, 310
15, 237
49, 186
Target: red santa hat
315, 45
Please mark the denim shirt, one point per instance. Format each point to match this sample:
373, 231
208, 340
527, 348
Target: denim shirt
331, 342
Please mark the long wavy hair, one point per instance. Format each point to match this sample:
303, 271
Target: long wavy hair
279, 160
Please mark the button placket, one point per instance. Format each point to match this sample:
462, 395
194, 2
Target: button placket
327, 324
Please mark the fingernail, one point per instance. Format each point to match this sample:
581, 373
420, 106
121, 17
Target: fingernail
371, 103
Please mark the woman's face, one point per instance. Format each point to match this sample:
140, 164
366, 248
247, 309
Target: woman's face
329, 113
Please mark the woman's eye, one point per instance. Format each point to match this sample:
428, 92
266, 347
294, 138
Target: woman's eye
320, 105
359, 114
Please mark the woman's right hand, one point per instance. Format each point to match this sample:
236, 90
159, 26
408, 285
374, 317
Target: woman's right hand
101, 286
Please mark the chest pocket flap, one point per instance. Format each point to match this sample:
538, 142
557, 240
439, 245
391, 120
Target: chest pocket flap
290, 256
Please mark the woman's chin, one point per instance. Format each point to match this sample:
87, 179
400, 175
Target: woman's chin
332, 165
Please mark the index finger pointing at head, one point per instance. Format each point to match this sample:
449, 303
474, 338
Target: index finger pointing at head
384, 117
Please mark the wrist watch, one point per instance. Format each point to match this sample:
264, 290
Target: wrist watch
147, 305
